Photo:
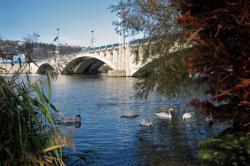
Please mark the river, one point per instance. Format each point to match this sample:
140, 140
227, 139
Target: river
119, 141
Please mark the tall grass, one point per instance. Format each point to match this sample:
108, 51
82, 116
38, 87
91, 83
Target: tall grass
27, 128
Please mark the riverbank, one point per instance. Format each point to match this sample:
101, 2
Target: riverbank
11, 69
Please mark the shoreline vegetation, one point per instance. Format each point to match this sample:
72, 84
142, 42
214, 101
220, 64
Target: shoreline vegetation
28, 129
228, 148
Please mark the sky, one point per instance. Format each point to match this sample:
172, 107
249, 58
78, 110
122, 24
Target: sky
75, 18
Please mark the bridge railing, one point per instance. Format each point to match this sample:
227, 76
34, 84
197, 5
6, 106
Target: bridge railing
101, 48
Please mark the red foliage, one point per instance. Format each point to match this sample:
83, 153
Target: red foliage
220, 33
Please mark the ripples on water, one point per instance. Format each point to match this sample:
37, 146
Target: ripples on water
118, 141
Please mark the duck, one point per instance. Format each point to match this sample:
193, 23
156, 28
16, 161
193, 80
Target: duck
186, 116
130, 115
165, 115
68, 121
146, 123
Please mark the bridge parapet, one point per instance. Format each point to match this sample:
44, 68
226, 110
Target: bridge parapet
101, 48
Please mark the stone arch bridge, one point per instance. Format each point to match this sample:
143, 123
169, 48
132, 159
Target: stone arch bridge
119, 57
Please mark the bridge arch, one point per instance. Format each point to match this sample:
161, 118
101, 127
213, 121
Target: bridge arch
85, 64
104, 59
44, 68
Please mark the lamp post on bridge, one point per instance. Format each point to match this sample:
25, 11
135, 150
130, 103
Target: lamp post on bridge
92, 39
57, 39
57, 51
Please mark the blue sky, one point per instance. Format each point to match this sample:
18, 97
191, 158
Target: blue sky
75, 18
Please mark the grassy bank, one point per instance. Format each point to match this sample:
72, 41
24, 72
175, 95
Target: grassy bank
228, 148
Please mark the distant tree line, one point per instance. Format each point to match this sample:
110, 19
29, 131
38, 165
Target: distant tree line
67, 49
37, 50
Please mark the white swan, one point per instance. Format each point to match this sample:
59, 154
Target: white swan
186, 116
146, 123
165, 115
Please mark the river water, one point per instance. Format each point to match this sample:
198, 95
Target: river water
119, 141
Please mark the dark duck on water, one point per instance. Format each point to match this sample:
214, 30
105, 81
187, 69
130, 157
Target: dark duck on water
68, 121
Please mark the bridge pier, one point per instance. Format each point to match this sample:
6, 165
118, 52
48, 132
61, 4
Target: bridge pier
117, 73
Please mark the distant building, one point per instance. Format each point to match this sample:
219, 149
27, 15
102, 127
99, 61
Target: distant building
20, 58
17, 57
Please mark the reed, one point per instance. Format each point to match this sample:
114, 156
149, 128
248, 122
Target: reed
28, 130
